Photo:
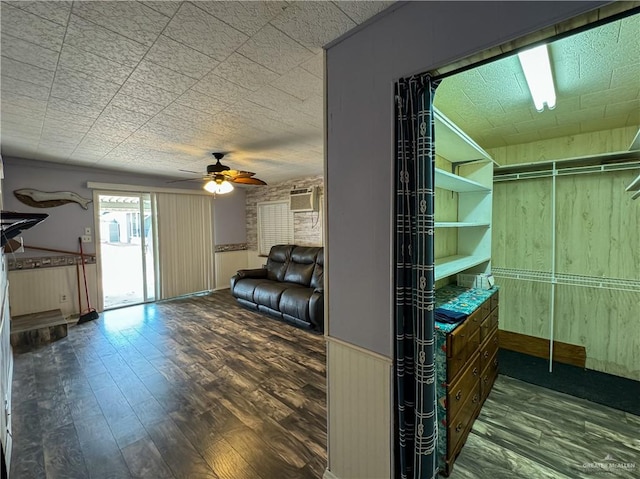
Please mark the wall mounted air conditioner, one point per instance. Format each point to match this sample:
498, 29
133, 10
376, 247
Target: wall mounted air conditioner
304, 199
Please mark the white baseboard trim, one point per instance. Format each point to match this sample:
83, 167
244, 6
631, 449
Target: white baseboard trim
329, 475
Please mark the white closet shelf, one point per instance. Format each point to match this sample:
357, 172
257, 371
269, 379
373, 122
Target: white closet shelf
459, 224
454, 264
451, 182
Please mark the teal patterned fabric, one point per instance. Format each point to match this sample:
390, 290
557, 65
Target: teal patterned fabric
415, 389
462, 300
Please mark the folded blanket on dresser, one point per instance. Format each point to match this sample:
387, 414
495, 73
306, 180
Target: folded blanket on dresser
448, 316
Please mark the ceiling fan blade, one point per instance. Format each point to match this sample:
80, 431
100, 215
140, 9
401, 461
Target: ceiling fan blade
186, 179
189, 171
238, 173
247, 181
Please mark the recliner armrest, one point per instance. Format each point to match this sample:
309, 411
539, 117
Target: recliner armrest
319, 290
252, 273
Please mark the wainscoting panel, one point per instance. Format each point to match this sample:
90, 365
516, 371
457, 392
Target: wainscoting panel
35, 290
359, 406
227, 264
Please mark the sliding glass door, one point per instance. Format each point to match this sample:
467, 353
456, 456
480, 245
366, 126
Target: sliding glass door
127, 235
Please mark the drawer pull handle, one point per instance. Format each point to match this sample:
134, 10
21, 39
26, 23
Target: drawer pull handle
495, 340
475, 398
486, 354
458, 395
485, 379
459, 427
495, 362
475, 371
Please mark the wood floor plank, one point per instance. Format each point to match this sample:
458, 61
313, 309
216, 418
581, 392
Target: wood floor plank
63, 457
144, 460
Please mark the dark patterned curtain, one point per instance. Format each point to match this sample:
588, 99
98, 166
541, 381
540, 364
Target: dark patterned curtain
414, 280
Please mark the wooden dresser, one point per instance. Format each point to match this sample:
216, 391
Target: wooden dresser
466, 366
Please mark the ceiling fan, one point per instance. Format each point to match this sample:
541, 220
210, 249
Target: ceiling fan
219, 177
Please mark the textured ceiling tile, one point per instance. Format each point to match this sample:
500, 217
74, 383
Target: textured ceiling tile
74, 108
626, 76
30, 53
31, 28
273, 98
24, 88
161, 77
135, 104
220, 88
66, 118
188, 117
248, 17
313, 24
275, 50
21, 101
180, 58
201, 31
543, 120
22, 128
95, 39
525, 137
23, 71
560, 130
84, 89
619, 109
313, 106
362, 10
130, 19
111, 132
299, 83
608, 123
201, 102
242, 71
52, 130
614, 95
91, 64
55, 11
575, 116
26, 117
148, 93
121, 117
165, 7
315, 65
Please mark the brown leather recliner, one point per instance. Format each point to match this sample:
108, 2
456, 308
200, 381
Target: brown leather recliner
290, 287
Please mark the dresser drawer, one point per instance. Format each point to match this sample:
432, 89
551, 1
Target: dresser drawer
488, 324
464, 387
458, 340
456, 364
459, 427
485, 309
489, 375
494, 300
488, 349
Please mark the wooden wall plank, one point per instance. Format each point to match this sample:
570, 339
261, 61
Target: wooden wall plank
538, 347
524, 307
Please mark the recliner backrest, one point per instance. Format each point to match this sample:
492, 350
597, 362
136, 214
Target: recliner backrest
300, 269
317, 278
278, 261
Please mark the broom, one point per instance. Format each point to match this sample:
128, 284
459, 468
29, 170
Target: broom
91, 313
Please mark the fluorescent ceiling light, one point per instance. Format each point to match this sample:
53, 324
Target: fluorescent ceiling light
537, 71
221, 187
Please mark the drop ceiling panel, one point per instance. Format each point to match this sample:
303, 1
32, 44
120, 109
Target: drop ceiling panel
201, 102
148, 93
54, 11
24, 88
130, 103
245, 72
299, 83
129, 19
180, 58
161, 77
25, 72
93, 38
203, 32
248, 17
313, 24
80, 88
30, 53
31, 28
166, 7
361, 11
220, 89
273, 49
86, 62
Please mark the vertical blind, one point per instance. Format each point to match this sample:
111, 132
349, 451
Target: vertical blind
185, 244
275, 225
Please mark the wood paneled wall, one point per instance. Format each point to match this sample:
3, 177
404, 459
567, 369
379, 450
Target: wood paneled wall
597, 235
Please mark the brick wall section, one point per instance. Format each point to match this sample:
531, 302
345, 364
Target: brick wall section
307, 225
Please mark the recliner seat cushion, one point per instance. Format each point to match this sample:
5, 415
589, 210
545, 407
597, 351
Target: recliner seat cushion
269, 293
245, 288
295, 302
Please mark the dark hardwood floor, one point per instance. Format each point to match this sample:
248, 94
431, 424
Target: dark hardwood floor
202, 388
190, 388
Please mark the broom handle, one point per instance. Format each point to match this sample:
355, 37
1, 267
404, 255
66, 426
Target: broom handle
79, 293
84, 274
75, 253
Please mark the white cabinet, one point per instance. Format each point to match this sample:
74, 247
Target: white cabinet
473, 186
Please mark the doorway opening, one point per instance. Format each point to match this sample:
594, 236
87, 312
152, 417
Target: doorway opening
127, 248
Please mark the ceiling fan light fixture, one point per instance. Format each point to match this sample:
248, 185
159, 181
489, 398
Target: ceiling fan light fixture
218, 187
537, 70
